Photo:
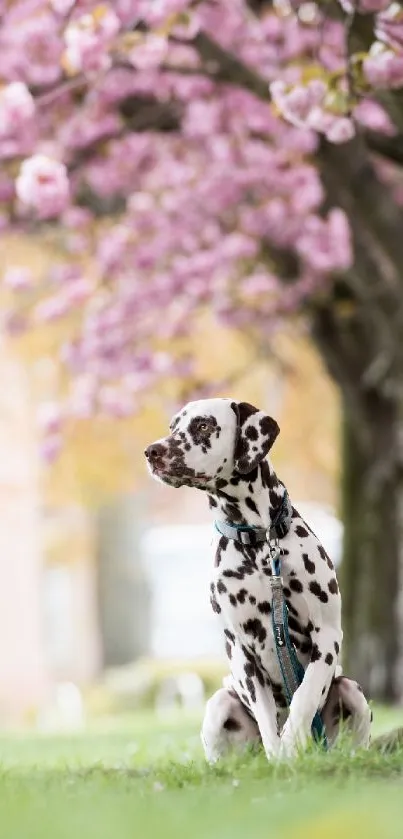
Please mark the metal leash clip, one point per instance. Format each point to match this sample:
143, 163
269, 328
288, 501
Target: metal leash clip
275, 553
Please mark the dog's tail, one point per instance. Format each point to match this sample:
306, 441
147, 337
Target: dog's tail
392, 741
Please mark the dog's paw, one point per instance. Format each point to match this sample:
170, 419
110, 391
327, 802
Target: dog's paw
291, 743
271, 748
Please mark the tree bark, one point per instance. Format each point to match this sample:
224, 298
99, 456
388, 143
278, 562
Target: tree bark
362, 346
372, 489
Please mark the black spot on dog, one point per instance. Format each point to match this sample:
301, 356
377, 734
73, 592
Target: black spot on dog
248, 655
231, 509
269, 428
212, 502
278, 694
250, 687
301, 531
221, 548
337, 648
291, 608
251, 505
324, 556
306, 647
221, 587
232, 600
264, 607
309, 565
228, 649
295, 641
214, 605
329, 658
254, 627
241, 596
249, 668
239, 574
274, 499
345, 713
294, 625
316, 653
251, 433
230, 635
268, 478
332, 586
315, 588
296, 585
200, 429
232, 725
252, 599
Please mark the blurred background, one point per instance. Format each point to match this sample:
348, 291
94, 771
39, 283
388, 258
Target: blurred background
166, 233
104, 597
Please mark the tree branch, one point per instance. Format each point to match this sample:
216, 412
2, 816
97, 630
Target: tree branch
389, 147
351, 183
223, 66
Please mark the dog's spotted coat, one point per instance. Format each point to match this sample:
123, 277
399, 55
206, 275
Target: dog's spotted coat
220, 446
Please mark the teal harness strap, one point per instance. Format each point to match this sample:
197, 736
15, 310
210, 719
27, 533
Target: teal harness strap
292, 670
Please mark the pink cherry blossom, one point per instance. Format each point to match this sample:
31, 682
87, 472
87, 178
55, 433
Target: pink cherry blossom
384, 69
62, 7
50, 448
18, 278
372, 115
301, 103
50, 417
43, 185
31, 48
17, 108
176, 191
149, 53
341, 130
88, 38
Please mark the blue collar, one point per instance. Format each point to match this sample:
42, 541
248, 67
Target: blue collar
250, 535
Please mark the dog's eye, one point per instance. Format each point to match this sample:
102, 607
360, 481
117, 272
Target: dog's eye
203, 426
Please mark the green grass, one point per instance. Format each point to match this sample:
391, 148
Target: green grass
146, 778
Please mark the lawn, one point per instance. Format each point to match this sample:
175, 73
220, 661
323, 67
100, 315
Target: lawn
144, 777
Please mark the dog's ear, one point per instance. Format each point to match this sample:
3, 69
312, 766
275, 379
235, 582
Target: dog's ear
256, 433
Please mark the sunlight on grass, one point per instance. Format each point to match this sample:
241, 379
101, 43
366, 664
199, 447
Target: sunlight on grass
144, 776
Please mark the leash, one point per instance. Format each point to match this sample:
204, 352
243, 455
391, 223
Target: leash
292, 671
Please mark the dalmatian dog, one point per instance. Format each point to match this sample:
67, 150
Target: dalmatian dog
220, 446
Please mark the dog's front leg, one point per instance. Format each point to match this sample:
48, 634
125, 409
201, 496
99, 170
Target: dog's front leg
306, 699
249, 675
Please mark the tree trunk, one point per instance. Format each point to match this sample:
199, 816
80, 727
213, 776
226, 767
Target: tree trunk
358, 331
371, 499
372, 491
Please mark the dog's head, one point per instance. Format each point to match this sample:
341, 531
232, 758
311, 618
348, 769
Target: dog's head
211, 439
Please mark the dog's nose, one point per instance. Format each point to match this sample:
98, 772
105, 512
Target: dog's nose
154, 451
